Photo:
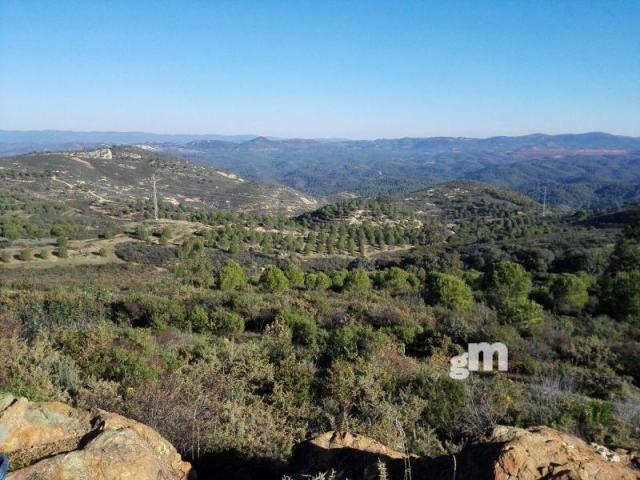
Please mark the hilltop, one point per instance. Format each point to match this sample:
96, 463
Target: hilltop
450, 199
123, 175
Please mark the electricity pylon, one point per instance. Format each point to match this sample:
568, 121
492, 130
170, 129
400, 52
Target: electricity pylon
155, 198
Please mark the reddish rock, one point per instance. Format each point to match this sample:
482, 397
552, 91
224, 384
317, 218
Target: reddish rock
54, 441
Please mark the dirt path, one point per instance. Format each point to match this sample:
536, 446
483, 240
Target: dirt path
62, 182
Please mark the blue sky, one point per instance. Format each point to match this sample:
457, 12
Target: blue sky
321, 68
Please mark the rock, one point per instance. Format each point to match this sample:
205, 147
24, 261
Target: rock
507, 453
355, 457
510, 453
30, 431
54, 441
339, 440
350, 456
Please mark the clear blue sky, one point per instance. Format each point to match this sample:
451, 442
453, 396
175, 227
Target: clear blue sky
321, 68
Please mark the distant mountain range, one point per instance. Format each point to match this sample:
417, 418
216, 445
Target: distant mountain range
587, 170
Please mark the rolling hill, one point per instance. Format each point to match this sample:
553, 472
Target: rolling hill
580, 180
594, 167
120, 175
590, 170
446, 200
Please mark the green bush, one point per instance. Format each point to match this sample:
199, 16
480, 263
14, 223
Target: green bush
142, 232
231, 276
274, 280
338, 278
622, 296
26, 254
165, 236
226, 323
357, 281
317, 281
449, 291
63, 247
569, 292
352, 341
304, 329
520, 312
199, 319
295, 276
506, 281
395, 278
194, 267
10, 229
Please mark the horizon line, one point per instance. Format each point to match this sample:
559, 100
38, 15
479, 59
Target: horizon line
337, 139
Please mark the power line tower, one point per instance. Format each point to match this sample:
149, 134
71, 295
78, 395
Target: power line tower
155, 198
544, 201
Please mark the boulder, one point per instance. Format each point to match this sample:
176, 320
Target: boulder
54, 441
507, 453
510, 453
351, 456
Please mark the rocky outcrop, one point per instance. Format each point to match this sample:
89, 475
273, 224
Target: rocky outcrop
350, 456
510, 453
50, 440
54, 441
507, 453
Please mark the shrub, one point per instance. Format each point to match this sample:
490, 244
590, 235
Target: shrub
357, 281
44, 254
317, 281
295, 275
352, 341
520, 312
274, 280
5, 256
396, 278
199, 320
622, 296
142, 232
63, 247
193, 265
338, 278
506, 281
165, 236
448, 291
304, 330
103, 252
226, 323
10, 229
231, 276
570, 292
26, 254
